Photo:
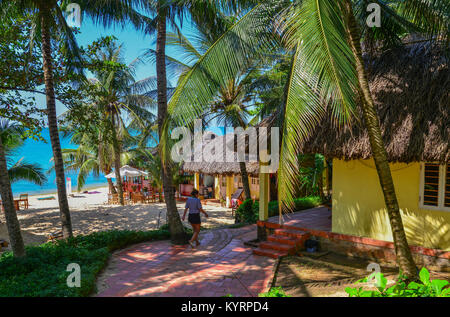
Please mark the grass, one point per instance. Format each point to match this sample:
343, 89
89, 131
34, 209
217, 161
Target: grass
43, 271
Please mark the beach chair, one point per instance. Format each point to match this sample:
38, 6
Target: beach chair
126, 198
23, 201
3, 244
150, 197
55, 236
16, 205
113, 199
137, 198
236, 200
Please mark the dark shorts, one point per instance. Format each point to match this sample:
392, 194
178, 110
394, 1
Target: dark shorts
194, 219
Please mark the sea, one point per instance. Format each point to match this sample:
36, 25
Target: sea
40, 152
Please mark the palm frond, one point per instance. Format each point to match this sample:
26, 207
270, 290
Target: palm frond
26, 171
230, 54
322, 75
432, 16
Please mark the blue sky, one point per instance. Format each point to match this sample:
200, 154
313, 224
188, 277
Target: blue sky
134, 43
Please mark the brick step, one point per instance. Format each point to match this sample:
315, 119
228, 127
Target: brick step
285, 240
302, 235
269, 252
290, 249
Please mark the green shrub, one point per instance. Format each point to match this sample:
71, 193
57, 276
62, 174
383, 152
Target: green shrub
43, 271
247, 212
424, 288
274, 292
300, 204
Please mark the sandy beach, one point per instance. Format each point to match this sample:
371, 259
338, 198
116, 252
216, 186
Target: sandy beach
90, 213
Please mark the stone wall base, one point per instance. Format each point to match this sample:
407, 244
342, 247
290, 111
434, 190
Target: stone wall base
381, 255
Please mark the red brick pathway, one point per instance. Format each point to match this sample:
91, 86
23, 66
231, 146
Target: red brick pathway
314, 218
221, 265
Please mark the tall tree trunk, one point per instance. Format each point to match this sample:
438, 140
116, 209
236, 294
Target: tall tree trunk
402, 250
245, 183
12, 223
53, 123
112, 190
117, 163
177, 233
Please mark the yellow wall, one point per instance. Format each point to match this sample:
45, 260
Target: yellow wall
358, 205
233, 185
216, 187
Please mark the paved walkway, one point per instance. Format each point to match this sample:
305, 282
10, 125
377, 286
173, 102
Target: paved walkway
318, 218
221, 265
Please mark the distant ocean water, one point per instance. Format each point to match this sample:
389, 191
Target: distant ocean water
41, 153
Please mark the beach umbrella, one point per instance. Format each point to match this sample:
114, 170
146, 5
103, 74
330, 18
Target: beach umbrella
128, 171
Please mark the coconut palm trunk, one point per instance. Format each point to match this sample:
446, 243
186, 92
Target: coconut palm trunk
402, 250
177, 233
112, 190
243, 168
245, 184
117, 163
52, 122
12, 223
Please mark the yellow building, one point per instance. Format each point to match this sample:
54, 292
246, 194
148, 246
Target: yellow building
411, 93
424, 199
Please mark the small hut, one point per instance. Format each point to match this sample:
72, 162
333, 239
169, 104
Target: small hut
219, 180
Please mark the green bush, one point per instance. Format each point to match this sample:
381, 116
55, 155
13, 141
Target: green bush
424, 288
247, 212
274, 292
43, 271
300, 204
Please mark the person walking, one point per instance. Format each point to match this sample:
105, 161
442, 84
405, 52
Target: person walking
194, 206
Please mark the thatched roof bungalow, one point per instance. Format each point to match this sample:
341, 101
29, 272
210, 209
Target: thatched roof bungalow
219, 168
222, 179
411, 89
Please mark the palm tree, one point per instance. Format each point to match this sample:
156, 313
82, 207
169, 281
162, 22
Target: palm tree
326, 71
10, 172
167, 12
232, 103
115, 91
19, 170
231, 109
93, 152
48, 20
8, 133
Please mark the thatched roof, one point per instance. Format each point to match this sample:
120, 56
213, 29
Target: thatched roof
227, 168
411, 90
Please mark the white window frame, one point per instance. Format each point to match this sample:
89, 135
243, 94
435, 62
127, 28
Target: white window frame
441, 192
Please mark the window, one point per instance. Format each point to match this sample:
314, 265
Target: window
255, 180
435, 186
224, 181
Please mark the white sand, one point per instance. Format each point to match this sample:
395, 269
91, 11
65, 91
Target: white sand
90, 213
